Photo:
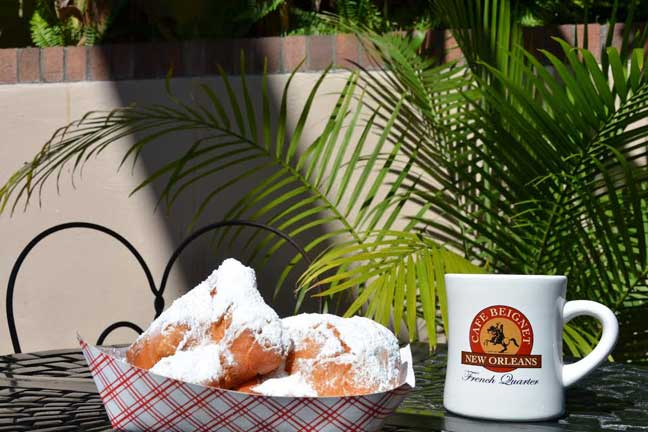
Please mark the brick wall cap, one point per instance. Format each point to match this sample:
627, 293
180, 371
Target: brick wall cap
198, 57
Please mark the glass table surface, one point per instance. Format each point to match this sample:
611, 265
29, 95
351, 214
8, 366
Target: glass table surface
52, 391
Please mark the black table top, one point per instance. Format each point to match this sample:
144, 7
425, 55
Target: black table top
53, 391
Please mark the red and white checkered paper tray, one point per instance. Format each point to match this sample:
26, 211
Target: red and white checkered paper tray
137, 400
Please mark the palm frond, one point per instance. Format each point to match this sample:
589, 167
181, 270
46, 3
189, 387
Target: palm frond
585, 191
569, 150
392, 272
528, 170
489, 34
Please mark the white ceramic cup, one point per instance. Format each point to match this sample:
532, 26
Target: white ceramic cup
505, 345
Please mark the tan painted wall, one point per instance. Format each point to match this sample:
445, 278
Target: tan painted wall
80, 280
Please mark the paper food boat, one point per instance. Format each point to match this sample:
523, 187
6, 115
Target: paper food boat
138, 400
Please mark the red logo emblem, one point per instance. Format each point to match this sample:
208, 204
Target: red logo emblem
501, 340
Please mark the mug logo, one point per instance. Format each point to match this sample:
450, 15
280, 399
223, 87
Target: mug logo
501, 340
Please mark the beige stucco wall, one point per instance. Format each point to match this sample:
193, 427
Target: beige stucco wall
80, 280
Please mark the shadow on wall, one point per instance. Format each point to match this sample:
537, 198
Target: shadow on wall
55, 280
195, 65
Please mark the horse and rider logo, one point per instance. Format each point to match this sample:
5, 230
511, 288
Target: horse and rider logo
497, 337
501, 340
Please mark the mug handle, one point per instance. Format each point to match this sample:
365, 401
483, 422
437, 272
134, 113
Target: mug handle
575, 371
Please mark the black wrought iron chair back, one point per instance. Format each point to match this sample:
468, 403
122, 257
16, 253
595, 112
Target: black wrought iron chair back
158, 292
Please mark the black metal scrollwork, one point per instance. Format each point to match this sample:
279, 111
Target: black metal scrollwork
158, 302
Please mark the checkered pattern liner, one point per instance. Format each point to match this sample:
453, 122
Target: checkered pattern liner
137, 400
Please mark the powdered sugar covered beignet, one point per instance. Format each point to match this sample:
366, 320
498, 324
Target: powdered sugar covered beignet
200, 365
334, 356
220, 333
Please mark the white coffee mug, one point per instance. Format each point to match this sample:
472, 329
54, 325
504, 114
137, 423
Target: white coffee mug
505, 345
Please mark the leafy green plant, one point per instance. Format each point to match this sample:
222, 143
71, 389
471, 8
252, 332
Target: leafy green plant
48, 30
172, 20
361, 12
507, 165
378, 16
357, 12
90, 22
305, 22
66, 22
521, 169
542, 12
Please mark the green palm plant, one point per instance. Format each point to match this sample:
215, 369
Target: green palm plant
524, 170
502, 164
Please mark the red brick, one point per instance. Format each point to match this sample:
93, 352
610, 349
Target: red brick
320, 52
251, 58
255, 52
194, 57
579, 32
367, 58
223, 53
75, 63
540, 38
640, 27
451, 50
433, 44
364, 59
346, 51
99, 63
604, 32
530, 39
568, 33
268, 49
52, 64
169, 59
593, 38
8, 66
294, 51
29, 65
617, 35
121, 61
144, 61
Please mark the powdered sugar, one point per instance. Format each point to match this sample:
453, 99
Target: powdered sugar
200, 365
236, 294
371, 348
286, 385
230, 292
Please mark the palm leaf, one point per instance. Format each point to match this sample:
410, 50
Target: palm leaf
569, 147
393, 272
521, 169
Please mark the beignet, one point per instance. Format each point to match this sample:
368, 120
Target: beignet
334, 356
221, 333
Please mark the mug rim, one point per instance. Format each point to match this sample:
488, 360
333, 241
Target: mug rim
503, 276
